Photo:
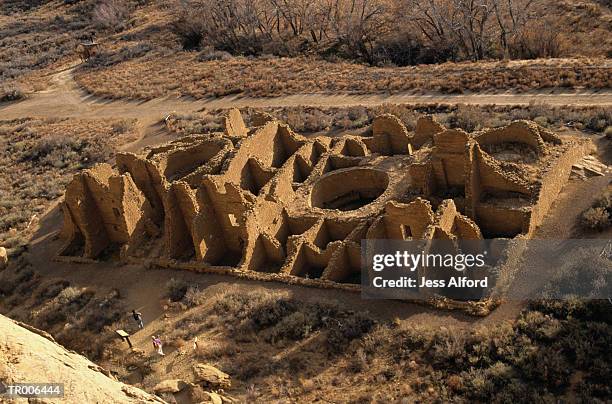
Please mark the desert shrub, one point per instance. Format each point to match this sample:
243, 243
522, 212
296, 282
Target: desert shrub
466, 117
275, 318
586, 273
108, 58
70, 295
538, 39
592, 310
122, 126
187, 124
103, 312
11, 93
405, 49
599, 120
194, 296
16, 285
190, 326
599, 215
541, 120
250, 366
211, 54
216, 350
532, 357
189, 28
351, 327
176, 289
595, 218
12, 281
63, 151
307, 119
51, 290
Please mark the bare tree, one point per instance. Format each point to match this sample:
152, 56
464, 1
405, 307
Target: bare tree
511, 16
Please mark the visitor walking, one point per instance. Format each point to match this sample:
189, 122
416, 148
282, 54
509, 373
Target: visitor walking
138, 317
157, 344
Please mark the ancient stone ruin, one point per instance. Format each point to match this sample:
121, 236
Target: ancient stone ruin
267, 203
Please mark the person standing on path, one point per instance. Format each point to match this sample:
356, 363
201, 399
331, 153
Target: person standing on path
138, 317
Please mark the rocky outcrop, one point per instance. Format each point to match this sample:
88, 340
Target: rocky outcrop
211, 377
27, 357
171, 386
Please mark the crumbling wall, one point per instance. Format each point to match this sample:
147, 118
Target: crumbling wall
105, 208
190, 162
260, 118
449, 158
555, 177
525, 132
403, 221
390, 136
342, 188
502, 221
494, 179
426, 128
147, 178
233, 124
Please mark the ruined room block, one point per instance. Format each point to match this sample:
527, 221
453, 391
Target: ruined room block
260, 118
406, 221
234, 125
426, 128
106, 208
390, 135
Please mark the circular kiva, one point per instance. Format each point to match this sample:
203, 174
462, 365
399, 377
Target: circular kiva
349, 189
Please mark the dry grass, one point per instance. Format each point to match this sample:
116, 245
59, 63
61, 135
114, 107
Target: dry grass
332, 120
183, 75
275, 346
141, 57
599, 215
37, 38
39, 158
79, 318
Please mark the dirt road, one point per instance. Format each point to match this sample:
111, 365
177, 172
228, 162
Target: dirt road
65, 99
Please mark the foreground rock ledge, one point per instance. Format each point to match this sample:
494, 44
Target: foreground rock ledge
29, 357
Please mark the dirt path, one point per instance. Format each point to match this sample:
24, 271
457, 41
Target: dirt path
65, 99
